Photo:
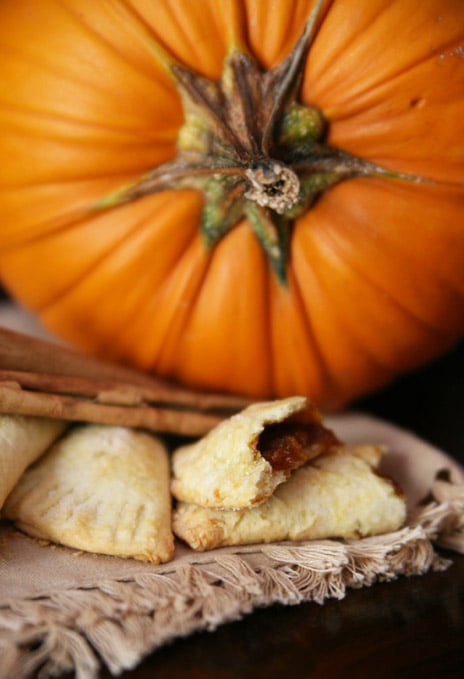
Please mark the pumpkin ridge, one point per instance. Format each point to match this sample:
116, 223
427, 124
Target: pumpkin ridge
115, 11
354, 35
391, 78
347, 333
48, 310
92, 267
177, 329
170, 50
60, 224
409, 314
51, 67
179, 20
79, 181
80, 20
326, 377
37, 115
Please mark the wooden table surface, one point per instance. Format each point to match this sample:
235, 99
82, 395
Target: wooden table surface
412, 627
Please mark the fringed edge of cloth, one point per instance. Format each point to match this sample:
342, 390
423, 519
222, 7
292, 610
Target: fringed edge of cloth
121, 621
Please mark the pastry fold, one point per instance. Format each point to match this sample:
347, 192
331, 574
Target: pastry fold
245, 458
23, 439
102, 489
336, 495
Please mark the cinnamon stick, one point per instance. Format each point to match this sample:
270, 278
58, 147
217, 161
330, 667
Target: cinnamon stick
42, 379
58, 406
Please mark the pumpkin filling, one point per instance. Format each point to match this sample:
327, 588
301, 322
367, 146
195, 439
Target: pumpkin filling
252, 148
289, 445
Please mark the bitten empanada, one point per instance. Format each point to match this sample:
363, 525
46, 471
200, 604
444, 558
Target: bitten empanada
337, 494
242, 461
102, 489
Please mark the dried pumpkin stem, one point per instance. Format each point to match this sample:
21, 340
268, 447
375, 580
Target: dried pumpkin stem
291, 74
251, 146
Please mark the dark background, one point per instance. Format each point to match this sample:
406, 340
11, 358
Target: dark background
412, 627
429, 401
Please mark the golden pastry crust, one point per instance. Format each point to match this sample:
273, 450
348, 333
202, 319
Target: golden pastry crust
225, 469
337, 494
23, 439
102, 489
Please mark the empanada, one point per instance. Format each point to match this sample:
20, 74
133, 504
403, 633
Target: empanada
337, 494
22, 440
103, 489
242, 461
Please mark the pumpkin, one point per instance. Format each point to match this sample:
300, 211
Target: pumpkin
255, 196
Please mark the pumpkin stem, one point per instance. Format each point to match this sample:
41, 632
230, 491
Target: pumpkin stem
273, 185
273, 235
250, 146
289, 74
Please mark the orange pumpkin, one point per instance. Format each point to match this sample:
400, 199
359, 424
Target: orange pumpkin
260, 196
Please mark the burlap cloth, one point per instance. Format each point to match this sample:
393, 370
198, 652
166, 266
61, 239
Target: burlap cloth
61, 610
